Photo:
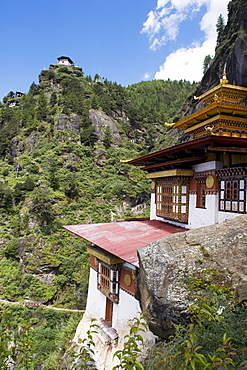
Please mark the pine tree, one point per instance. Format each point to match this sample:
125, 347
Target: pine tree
207, 63
220, 25
107, 137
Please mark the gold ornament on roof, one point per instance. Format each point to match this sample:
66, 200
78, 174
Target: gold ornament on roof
169, 124
224, 79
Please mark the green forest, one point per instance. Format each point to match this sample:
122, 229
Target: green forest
60, 165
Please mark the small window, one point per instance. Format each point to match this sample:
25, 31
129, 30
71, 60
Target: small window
108, 280
228, 190
201, 196
235, 190
232, 195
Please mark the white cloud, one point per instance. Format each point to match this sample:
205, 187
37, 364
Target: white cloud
163, 25
147, 75
185, 63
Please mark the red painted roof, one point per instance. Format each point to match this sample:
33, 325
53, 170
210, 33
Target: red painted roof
122, 239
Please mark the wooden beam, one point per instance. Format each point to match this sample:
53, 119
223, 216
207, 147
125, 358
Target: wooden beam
226, 149
170, 173
175, 161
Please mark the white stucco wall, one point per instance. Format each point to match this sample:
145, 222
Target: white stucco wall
123, 313
222, 216
207, 166
203, 216
152, 207
64, 62
96, 301
126, 310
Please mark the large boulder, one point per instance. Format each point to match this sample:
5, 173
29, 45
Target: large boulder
217, 252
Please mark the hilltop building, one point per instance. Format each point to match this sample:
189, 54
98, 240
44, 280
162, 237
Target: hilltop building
66, 61
13, 103
19, 94
62, 62
195, 183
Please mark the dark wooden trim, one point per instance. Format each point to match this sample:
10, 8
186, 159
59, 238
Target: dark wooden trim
176, 161
195, 144
226, 149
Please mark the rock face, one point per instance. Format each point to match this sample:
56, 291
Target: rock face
230, 53
168, 263
100, 121
16, 147
71, 124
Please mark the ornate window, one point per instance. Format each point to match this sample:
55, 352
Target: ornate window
108, 280
201, 196
172, 199
232, 195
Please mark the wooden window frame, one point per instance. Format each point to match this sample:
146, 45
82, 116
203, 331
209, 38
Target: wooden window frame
172, 198
232, 195
108, 280
201, 195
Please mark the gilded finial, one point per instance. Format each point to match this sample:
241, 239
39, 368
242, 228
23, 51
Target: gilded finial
169, 124
224, 79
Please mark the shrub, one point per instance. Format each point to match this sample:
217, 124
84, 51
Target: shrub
6, 198
29, 184
11, 249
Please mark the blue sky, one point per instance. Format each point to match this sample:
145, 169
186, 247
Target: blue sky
126, 41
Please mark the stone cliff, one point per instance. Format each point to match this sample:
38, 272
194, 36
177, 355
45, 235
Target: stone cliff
215, 254
230, 53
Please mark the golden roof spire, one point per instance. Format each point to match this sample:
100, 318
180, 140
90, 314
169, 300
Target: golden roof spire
224, 79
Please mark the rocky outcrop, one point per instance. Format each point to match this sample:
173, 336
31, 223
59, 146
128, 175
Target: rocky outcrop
217, 253
16, 147
32, 141
70, 124
121, 116
100, 121
100, 157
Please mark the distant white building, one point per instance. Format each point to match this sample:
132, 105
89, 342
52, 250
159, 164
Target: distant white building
13, 103
66, 61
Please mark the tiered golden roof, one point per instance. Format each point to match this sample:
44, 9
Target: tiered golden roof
223, 115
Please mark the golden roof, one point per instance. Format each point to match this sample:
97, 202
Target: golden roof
222, 100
